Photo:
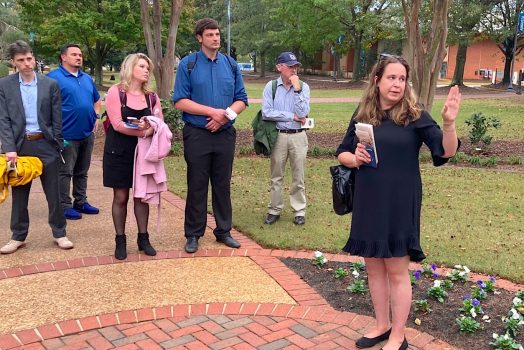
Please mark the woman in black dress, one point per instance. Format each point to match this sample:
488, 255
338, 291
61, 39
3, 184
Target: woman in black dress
385, 227
132, 97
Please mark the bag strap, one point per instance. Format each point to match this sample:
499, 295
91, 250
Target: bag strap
274, 87
123, 97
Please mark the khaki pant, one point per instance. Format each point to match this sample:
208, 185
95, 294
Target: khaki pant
293, 147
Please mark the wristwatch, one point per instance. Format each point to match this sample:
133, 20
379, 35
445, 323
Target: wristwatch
298, 91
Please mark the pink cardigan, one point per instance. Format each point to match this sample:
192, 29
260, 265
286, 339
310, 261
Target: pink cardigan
150, 178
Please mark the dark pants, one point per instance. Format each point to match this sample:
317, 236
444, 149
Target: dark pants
209, 157
49, 178
77, 157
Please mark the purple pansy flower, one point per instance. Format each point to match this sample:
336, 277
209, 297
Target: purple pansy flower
475, 302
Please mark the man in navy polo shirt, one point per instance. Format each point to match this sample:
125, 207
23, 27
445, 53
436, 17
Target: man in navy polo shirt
80, 110
210, 92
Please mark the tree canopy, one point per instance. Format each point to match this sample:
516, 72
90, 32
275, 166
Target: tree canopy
97, 25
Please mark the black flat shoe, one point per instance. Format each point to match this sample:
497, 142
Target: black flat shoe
364, 342
191, 245
229, 241
271, 219
403, 346
299, 220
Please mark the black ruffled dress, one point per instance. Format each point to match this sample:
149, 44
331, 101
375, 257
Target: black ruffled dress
387, 199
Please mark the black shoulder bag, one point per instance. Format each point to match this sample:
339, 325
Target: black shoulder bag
342, 188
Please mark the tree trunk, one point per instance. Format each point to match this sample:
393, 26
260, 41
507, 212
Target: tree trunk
460, 62
262, 64
425, 55
164, 63
357, 74
507, 49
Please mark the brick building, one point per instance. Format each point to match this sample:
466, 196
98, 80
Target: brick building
484, 61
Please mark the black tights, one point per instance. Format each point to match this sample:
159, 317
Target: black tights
120, 199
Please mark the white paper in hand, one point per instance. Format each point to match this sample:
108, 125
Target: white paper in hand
366, 137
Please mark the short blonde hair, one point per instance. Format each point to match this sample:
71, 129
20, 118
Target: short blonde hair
404, 112
126, 71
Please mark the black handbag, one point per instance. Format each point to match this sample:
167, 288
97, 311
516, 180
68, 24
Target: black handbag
342, 188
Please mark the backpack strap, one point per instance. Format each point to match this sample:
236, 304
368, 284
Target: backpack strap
233, 66
274, 87
123, 97
191, 63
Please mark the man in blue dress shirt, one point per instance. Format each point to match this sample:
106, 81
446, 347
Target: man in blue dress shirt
289, 110
210, 92
80, 111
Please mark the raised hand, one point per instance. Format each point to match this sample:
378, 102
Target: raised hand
452, 105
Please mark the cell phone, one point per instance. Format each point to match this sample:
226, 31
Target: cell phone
132, 123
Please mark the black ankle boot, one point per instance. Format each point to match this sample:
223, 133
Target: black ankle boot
144, 245
120, 249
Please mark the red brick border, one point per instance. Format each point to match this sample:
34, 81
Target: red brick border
322, 313
310, 305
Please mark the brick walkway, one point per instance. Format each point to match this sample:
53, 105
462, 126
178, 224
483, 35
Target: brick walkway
309, 324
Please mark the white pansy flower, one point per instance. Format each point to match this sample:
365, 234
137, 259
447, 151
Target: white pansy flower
495, 335
466, 269
318, 254
485, 317
473, 313
355, 273
515, 314
324, 260
458, 267
436, 283
462, 273
517, 301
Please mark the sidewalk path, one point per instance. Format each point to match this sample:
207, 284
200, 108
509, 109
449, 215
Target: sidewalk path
354, 99
218, 298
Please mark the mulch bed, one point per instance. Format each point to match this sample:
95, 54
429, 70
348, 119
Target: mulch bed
440, 322
499, 148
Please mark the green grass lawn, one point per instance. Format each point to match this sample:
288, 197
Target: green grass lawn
470, 216
334, 117
254, 90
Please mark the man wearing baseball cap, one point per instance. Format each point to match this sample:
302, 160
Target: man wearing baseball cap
289, 109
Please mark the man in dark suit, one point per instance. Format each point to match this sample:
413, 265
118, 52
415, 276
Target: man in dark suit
31, 125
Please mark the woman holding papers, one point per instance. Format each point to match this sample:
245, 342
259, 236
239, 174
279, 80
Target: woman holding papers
385, 227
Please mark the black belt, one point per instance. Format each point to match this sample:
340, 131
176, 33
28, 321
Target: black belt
35, 136
291, 131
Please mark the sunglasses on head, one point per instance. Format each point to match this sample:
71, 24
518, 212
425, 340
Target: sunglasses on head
384, 56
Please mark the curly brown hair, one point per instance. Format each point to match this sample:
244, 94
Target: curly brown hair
404, 112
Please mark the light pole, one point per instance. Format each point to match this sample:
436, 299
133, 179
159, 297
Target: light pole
229, 27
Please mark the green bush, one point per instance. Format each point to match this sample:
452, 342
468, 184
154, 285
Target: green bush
172, 116
4, 70
480, 124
